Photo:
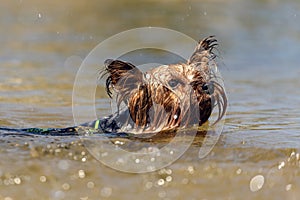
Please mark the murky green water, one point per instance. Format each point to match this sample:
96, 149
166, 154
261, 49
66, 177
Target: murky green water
257, 156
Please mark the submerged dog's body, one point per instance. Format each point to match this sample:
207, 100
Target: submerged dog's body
167, 97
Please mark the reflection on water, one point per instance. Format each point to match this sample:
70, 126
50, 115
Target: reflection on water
42, 44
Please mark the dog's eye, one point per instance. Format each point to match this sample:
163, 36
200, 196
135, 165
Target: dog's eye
208, 88
205, 87
173, 83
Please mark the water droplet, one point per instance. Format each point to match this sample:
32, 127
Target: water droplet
256, 183
43, 179
81, 173
239, 171
288, 187
293, 154
169, 178
39, 15
168, 171
147, 76
161, 181
17, 180
281, 165
191, 169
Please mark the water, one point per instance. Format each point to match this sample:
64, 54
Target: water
257, 156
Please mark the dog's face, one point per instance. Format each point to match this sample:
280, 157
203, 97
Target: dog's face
169, 96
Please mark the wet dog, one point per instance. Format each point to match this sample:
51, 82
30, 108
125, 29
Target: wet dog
167, 97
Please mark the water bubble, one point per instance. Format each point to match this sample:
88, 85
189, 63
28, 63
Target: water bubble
256, 183
39, 15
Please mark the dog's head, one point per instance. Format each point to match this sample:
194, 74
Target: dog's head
169, 96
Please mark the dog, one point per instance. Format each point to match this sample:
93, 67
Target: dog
167, 97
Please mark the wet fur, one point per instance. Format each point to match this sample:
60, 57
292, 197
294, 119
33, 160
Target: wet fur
169, 96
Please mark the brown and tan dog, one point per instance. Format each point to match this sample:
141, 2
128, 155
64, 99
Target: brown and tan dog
166, 97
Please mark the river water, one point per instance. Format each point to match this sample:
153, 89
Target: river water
257, 155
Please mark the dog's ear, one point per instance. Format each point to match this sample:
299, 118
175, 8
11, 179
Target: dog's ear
123, 77
203, 53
